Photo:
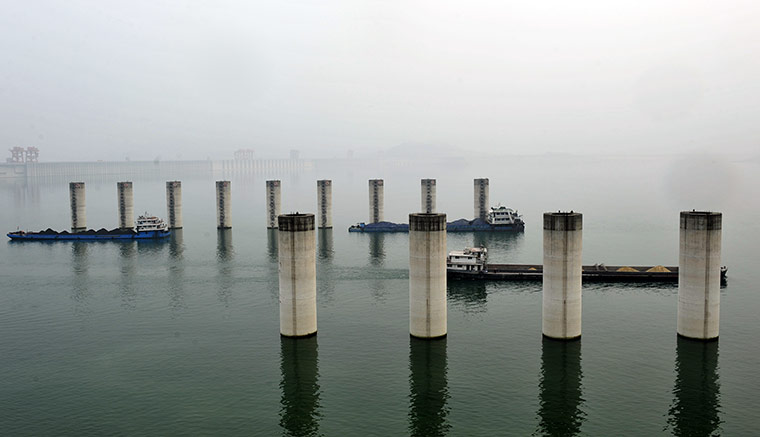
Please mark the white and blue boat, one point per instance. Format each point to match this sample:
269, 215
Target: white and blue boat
148, 227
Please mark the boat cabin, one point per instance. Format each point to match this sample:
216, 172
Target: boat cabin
501, 215
471, 259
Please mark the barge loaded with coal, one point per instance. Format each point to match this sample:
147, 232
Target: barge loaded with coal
472, 263
499, 219
148, 228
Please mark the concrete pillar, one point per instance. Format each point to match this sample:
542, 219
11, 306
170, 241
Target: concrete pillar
223, 201
699, 275
126, 205
428, 195
427, 275
174, 204
376, 199
298, 274
481, 198
563, 246
324, 202
78, 202
273, 203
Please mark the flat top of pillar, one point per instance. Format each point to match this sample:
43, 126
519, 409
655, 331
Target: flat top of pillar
701, 220
563, 221
427, 214
296, 222
76, 183
562, 214
694, 212
427, 221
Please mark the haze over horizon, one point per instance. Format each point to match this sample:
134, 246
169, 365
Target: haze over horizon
91, 81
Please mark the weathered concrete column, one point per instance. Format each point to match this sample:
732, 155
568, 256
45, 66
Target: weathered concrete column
324, 203
563, 247
174, 204
223, 201
273, 203
481, 198
427, 275
699, 275
78, 202
298, 274
428, 195
126, 201
376, 199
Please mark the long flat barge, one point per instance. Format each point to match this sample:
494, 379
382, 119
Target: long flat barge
88, 235
589, 273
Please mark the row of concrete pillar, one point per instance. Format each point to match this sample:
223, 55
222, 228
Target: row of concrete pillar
698, 275
428, 198
376, 200
126, 210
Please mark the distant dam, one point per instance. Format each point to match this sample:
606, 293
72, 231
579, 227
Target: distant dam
142, 169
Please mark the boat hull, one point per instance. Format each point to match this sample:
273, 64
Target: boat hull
461, 225
88, 236
591, 273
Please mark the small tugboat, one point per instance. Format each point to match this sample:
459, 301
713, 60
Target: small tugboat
148, 228
472, 263
499, 219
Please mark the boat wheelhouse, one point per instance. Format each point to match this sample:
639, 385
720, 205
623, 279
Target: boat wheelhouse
471, 259
146, 223
501, 215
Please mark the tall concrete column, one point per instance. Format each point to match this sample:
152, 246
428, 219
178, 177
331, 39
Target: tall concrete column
376, 199
428, 195
126, 205
298, 274
481, 198
273, 203
563, 246
78, 202
427, 275
324, 202
699, 275
223, 201
174, 204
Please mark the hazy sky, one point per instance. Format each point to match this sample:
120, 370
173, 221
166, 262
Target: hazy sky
106, 80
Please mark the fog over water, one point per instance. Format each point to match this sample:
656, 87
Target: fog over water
144, 80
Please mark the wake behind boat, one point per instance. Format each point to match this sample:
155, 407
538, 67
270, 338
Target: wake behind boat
148, 227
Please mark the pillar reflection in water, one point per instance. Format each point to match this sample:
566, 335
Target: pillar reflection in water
80, 268
695, 410
272, 247
376, 248
176, 269
325, 273
225, 253
127, 262
560, 390
377, 286
299, 409
325, 236
428, 412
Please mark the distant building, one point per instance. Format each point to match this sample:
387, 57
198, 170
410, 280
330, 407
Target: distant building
295, 154
245, 155
21, 155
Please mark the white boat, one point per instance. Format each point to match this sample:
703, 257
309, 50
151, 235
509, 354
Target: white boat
146, 223
470, 260
502, 216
